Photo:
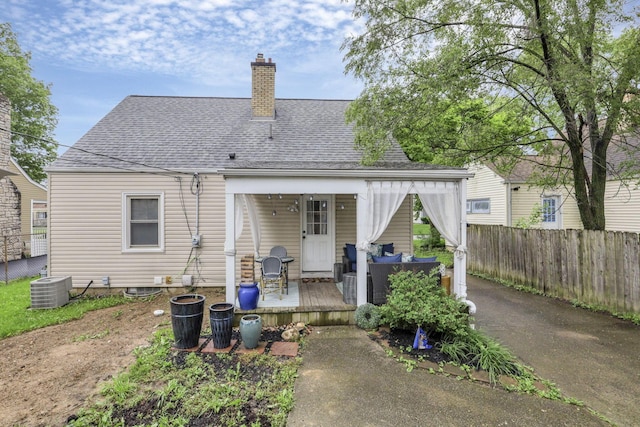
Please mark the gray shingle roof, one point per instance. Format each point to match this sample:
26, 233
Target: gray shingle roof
189, 133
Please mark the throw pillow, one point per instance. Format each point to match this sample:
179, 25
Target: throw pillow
393, 258
376, 249
387, 247
429, 259
351, 252
407, 258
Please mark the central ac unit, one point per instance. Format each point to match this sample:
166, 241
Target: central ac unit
50, 292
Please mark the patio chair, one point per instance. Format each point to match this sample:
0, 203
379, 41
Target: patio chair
272, 279
279, 251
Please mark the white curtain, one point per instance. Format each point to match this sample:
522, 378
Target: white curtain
383, 200
239, 215
254, 223
441, 202
242, 201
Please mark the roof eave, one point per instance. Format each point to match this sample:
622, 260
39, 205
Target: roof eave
436, 174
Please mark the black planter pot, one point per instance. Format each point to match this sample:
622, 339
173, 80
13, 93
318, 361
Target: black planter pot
221, 317
187, 312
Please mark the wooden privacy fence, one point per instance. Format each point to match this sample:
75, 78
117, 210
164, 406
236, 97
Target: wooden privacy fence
593, 267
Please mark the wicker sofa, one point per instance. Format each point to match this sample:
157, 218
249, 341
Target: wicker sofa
380, 276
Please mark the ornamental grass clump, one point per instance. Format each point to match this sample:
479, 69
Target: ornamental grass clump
418, 300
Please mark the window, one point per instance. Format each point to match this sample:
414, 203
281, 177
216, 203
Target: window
143, 225
479, 206
317, 217
549, 209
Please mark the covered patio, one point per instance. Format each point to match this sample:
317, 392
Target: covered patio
378, 193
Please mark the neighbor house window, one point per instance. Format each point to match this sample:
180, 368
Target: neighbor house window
549, 209
479, 206
143, 225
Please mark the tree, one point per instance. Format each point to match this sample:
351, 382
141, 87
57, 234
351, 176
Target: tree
33, 117
456, 81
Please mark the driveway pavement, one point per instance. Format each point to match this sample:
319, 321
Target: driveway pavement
348, 380
592, 357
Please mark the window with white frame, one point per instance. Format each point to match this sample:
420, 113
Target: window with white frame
549, 209
479, 206
143, 221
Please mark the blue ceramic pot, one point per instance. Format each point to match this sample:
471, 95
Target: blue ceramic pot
250, 330
248, 296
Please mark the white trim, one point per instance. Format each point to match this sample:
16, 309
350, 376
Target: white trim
377, 174
26, 175
125, 221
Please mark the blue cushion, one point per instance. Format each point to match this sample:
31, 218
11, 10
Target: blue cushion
387, 247
392, 258
351, 252
429, 259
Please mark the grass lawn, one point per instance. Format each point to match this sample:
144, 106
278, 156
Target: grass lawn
16, 317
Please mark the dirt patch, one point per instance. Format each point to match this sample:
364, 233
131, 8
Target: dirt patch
46, 375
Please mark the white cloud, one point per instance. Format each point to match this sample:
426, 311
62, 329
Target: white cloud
174, 36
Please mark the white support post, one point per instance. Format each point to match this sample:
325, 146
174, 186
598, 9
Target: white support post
230, 247
460, 264
362, 216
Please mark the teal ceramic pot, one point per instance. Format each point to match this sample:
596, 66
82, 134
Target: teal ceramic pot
250, 330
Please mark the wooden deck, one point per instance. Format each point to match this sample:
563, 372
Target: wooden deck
320, 304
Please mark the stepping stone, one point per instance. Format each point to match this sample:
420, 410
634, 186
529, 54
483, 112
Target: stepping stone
192, 349
284, 348
259, 349
210, 349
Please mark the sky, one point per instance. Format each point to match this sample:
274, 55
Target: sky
94, 53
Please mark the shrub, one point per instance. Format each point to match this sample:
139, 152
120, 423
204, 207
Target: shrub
367, 316
417, 299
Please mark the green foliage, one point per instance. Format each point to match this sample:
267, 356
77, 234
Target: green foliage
533, 219
16, 317
367, 316
33, 118
456, 82
184, 393
420, 249
417, 299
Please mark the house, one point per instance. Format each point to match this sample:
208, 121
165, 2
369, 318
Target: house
165, 189
497, 198
23, 202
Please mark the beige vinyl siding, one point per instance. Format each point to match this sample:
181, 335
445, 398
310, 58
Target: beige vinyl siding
527, 197
283, 229
77, 228
28, 192
622, 206
486, 184
345, 223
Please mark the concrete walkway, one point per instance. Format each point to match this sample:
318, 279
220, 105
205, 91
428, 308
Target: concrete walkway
592, 357
348, 380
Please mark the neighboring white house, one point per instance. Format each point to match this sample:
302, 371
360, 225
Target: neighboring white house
503, 199
167, 186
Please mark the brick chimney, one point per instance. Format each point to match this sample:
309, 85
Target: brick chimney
263, 88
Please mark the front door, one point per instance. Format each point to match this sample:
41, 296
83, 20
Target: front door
317, 233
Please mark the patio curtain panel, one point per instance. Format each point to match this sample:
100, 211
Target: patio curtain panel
246, 201
254, 223
383, 200
441, 202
